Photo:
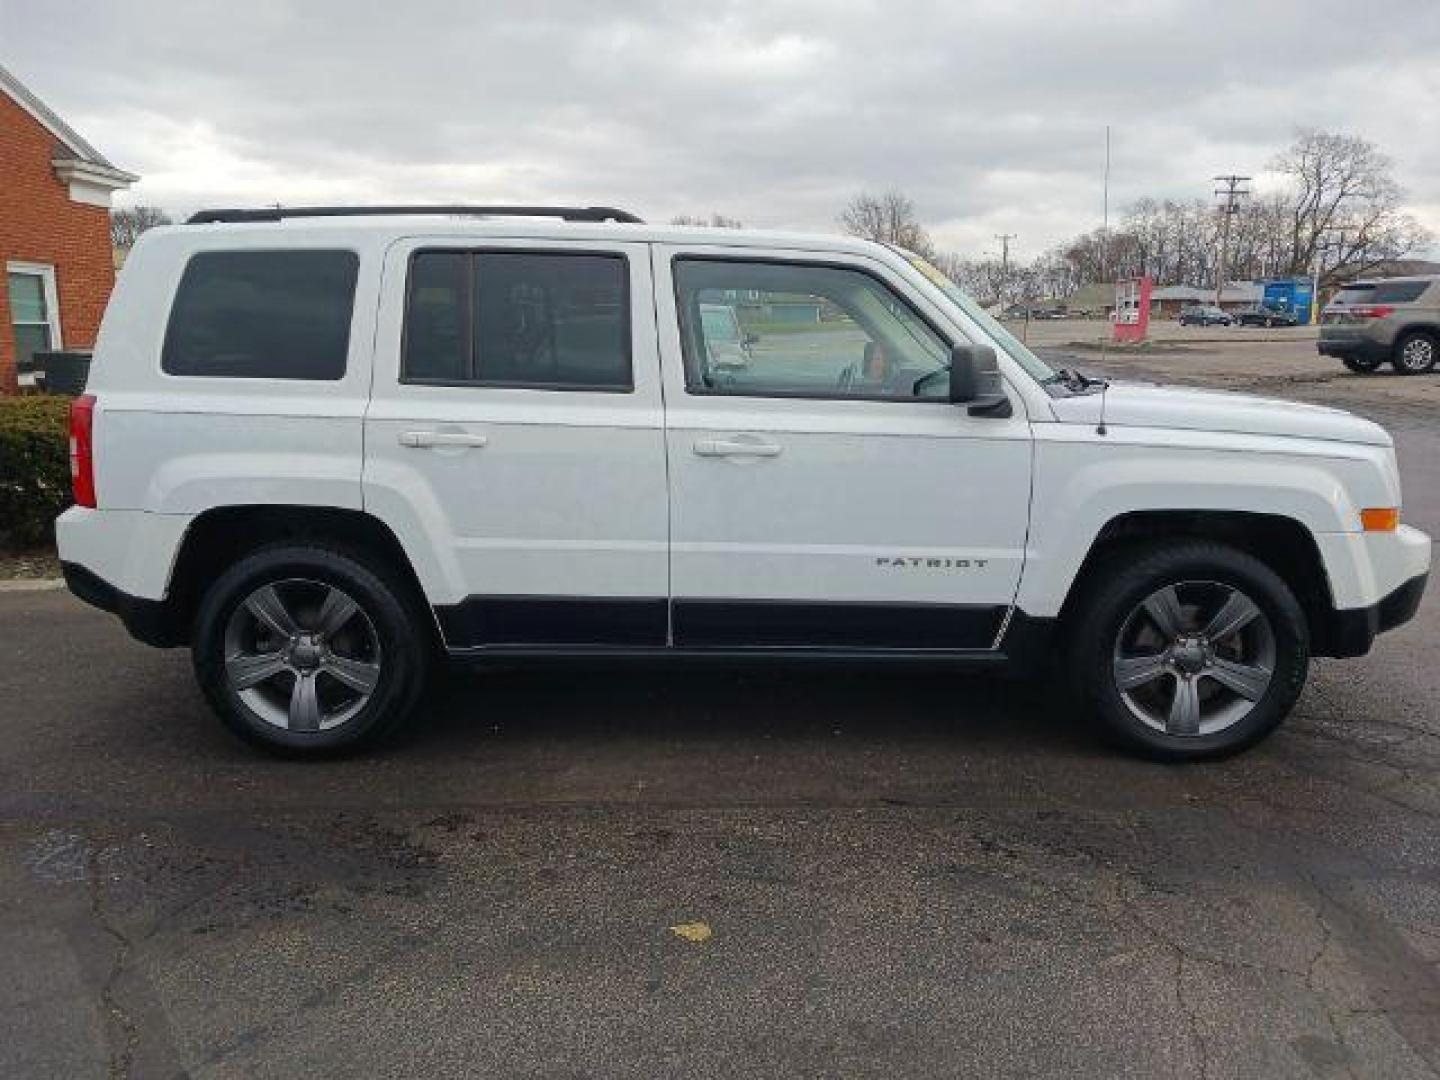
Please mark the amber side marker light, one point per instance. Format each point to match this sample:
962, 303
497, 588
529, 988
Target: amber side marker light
1381, 519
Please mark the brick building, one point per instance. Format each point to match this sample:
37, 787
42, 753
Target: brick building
55, 193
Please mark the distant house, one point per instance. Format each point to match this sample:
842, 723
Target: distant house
1167, 301
55, 193
1097, 298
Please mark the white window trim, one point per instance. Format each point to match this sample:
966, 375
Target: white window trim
46, 274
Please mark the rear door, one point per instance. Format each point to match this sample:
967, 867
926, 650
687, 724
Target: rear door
514, 439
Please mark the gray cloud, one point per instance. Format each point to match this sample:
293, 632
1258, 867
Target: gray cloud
989, 114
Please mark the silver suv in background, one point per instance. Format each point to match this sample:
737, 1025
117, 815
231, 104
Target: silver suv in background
1394, 319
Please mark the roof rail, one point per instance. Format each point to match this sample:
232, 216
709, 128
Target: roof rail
277, 213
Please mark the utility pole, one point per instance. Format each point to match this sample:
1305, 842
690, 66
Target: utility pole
1231, 194
1321, 246
1005, 239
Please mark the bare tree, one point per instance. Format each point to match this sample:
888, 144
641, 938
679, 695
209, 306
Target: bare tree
1345, 206
127, 225
888, 218
715, 221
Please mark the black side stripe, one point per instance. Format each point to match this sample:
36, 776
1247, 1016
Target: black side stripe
642, 622
554, 620
819, 624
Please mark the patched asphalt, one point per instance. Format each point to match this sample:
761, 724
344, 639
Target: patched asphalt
902, 872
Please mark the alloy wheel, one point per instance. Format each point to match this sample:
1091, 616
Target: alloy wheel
1418, 354
303, 655
1194, 658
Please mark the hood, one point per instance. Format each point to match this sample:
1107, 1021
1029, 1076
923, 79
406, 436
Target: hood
1189, 408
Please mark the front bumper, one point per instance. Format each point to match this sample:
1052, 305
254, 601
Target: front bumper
1352, 630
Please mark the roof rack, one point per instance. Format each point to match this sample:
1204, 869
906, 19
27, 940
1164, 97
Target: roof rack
277, 213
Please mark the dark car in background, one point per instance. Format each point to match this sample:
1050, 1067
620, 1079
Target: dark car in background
1203, 315
1265, 315
1394, 319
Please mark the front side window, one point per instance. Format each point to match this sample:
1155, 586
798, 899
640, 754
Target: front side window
538, 320
33, 316
776, 329
262, 315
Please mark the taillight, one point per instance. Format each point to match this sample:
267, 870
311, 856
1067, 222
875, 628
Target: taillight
82, 450
1371, 311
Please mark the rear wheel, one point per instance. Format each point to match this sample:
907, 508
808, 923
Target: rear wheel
1189, 651
308, 651
1362, 365
1416, 353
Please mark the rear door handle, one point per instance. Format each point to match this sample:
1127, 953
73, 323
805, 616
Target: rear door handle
735, 448
441, 438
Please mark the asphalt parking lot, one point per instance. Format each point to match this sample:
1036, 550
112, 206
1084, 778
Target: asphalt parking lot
903, 873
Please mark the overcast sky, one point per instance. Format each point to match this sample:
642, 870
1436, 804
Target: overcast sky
990, 114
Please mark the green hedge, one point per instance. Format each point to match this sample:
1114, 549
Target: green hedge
34, 468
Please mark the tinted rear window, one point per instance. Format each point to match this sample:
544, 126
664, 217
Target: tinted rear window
1382, 292
540, 320
262, 315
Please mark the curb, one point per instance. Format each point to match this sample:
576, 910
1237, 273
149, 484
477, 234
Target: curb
32, 585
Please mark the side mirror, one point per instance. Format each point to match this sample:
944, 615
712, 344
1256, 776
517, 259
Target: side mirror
975, 381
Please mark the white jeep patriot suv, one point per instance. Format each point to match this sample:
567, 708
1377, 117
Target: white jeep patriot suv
323, 447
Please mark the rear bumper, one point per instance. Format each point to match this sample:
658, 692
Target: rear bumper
1353, 630
1358, 347
147, 620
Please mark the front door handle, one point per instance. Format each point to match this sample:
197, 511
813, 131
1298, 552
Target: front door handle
441, 438
735, 448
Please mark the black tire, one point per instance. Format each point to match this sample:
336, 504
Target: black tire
1361, 365
1416, 352
394, 618
1114, 590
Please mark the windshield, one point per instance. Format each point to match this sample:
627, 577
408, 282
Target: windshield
1007, 341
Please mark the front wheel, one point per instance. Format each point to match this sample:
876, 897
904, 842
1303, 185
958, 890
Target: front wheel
309, 651
1189, 651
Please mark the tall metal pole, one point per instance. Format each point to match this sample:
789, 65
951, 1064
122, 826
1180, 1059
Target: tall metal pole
1105, 233
1005, 239
1105, 193
1231, 193
1105, 242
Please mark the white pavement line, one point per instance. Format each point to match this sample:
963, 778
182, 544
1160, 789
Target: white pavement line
32, 585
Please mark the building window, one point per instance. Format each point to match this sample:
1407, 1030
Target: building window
34, 311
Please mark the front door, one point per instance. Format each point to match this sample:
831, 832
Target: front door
514, 440
824, 492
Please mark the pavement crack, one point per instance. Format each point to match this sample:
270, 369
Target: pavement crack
1201, 1049
1327, 936
125, 1032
